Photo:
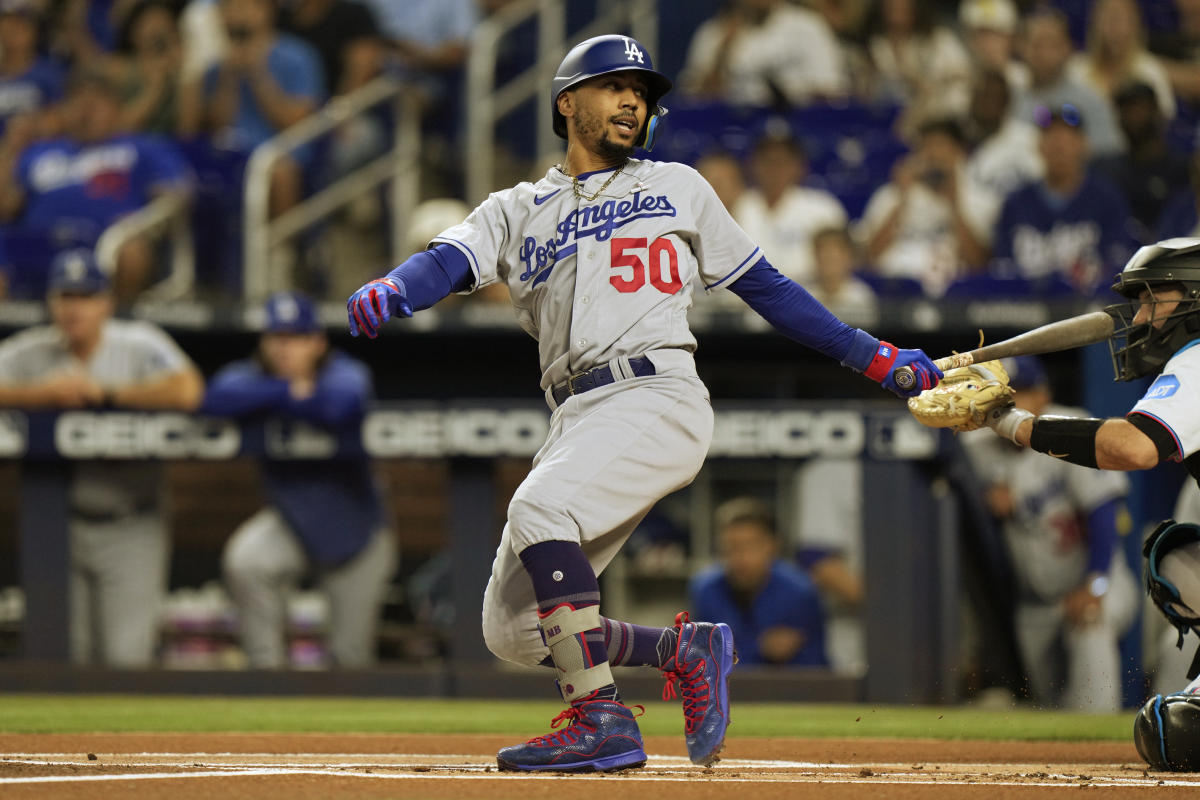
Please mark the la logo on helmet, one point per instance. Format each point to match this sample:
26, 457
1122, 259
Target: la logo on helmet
632, 51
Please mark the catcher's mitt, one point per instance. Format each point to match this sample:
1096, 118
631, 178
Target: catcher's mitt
964, 397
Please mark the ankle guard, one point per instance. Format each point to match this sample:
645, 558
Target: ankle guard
563, 631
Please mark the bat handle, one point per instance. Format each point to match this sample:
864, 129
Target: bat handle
906, 379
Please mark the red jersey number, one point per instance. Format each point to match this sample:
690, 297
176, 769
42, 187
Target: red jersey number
630, 270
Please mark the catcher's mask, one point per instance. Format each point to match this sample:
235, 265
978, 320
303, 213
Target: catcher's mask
1142, 349
602, 55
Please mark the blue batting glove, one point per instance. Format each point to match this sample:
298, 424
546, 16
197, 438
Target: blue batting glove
376, 303
889, 358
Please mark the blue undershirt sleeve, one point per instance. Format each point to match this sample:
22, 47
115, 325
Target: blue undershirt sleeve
1102, 535
801, 317
431, 275
240, 390
339, 398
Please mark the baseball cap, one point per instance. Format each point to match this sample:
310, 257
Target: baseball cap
992, 15
291, 312
1068, 114
1025, 372
77, 271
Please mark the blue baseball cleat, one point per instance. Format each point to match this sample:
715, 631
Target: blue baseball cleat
701, 665
602, 736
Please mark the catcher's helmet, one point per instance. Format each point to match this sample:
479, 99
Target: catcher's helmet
1143, 349
601, 55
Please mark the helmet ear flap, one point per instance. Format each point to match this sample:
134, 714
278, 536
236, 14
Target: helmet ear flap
650, 131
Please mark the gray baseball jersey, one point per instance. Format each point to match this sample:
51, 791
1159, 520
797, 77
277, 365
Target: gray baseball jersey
592, 280
129, 352
1048, 545
1171, 399
595, 279
120, 549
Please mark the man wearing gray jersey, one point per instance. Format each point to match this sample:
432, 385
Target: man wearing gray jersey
599, 258
119, 545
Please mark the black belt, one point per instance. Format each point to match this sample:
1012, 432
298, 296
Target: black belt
603, 375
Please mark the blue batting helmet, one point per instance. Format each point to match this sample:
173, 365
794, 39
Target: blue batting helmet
601, 55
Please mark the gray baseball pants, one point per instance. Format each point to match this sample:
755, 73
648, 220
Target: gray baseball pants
263, 560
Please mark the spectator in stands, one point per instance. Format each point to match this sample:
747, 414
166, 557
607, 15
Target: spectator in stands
427, 43
828, 536
772, 606
989, 30
1149, 173
1181, 215
765, 53
1076, 595
1178, 50
918, 64
1116, 54
326, 520
29, 82
119, 543
1003, 149
723, 172
834, 283
1073, 223
930, 223
345, 35
1047, 48
70, 189
267, 81
146, 67
779, 212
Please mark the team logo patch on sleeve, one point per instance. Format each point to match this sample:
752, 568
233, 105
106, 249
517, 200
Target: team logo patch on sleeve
1164, 387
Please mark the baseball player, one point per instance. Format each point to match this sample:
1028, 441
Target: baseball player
119, 543
1158, 334
1061, 523
599, 258
326, 521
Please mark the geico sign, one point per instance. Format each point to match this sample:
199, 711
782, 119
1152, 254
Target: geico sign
467, 432
80, 434
794, 433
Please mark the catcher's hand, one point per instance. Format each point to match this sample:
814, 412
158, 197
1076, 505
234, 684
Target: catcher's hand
964, 397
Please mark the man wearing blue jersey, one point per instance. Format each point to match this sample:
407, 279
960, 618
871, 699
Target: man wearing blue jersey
72, 187
324, 520
771, 606
1072, 223
266, 81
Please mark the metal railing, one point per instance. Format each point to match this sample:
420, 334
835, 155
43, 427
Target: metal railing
487, 104
167, 211
263, 267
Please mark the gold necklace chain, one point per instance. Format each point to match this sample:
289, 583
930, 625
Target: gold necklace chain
577, 187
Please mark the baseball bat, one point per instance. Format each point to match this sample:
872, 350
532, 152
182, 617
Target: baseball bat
1095, 326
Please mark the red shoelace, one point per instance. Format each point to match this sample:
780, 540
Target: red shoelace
686, 679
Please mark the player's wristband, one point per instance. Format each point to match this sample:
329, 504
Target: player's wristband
881, 364
1006, 420
1069, 438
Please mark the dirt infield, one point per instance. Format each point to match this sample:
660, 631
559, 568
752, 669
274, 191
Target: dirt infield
194, 766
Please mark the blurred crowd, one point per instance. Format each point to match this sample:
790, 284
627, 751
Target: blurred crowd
1021, 147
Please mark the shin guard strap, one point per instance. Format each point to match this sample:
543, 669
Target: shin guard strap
563, 631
